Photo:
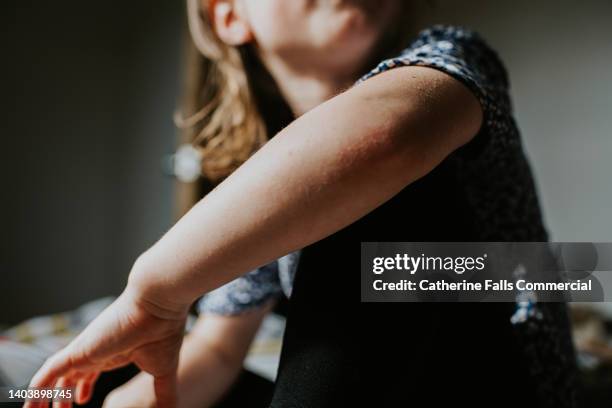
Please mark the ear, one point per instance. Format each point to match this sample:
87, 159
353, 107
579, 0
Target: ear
230, 22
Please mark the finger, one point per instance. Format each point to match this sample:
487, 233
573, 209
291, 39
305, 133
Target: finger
61, 383
165, 391
71, 385
84, 389
35, 404
54, 368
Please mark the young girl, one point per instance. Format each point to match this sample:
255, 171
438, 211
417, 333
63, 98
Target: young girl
421, 148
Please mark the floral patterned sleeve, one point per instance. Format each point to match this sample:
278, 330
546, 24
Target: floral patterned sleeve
253, 289
464, 55
243, 293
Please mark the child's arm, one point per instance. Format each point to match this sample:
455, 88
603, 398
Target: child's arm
327, 169
211, 358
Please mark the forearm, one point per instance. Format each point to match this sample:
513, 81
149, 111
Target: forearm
204, 375
213, 354
326, 170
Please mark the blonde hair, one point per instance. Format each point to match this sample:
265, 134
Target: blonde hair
220, 113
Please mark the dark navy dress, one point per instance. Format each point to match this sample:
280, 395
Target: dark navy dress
338, 351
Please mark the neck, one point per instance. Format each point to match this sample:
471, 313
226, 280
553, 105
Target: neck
306, 90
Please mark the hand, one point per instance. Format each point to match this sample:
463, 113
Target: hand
138, 392
132, 329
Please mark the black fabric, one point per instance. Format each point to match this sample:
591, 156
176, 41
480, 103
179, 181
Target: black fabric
337, 350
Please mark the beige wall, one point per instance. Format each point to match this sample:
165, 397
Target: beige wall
559, 55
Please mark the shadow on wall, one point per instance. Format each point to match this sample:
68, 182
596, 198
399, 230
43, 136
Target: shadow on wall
96, 87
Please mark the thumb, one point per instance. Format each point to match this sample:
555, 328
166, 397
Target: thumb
166, 390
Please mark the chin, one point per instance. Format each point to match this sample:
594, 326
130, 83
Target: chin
372, 8
352, 25
356, 35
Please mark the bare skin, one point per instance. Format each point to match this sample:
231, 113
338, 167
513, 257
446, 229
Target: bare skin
337, 162
210, 360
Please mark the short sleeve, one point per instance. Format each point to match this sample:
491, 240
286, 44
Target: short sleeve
244, 293
464, 55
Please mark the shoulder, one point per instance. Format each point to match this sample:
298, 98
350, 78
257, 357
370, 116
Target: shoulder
464, 55
458, 51
461, 50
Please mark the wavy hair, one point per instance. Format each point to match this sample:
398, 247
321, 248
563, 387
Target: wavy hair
232, 105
